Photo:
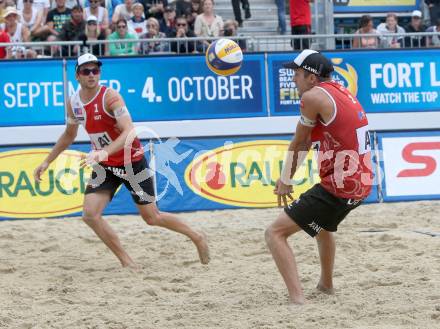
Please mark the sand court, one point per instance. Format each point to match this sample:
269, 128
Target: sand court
57, 274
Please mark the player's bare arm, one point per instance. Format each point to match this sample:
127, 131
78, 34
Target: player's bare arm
312, 108
64, 141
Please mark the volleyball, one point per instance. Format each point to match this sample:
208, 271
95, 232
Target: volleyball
224, 57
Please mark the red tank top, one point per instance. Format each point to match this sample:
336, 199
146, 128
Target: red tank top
343, 143
102, 129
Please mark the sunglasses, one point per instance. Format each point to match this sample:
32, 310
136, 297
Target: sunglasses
24, 1
92, 23
87, 72
181, 24
151, 25
122, 26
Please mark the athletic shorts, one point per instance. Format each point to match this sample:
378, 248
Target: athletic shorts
140, 186
317, 210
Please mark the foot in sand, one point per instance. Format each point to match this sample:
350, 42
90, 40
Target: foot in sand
132, 266
325, 290
203, 248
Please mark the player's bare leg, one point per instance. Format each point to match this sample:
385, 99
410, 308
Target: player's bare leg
276, 237
153, 216
94, 204
327, 250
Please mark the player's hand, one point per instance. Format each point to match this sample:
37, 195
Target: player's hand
93, 158
40, 170
283, 192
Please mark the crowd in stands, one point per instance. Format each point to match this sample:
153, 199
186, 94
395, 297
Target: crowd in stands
89, 21
92, 20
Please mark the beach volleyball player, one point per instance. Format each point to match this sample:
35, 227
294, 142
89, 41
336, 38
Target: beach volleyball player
334, 124
106, 119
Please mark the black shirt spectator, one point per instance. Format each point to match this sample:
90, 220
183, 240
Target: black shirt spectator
154, 8
415, 25
182, 31
73, 30
434, 10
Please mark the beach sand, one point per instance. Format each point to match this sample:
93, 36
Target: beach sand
55, 273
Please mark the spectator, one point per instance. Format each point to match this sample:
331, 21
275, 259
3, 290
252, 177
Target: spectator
121, 33
434, 10
237, 11
100, 13
4, 38
92, 33
123, 11
415, 25
230, 30
300, 22
137, 23
183, 8
17, 33
56, 18
208, 24
281, 10
182, 31
196, 10
43, 5
32, 18
434, 41
168, 23
2, 8
154, 8
148, 47
73, 30
366, 27
390, 26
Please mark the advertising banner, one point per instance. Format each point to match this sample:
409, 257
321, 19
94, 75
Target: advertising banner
61, 191
220, 173
363, 6
163, 88
31, 93
406, 81
410, 164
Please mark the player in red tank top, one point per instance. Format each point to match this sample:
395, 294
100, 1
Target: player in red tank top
117, 158
334, 124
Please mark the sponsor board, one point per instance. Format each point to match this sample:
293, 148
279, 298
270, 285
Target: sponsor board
411, 165
244, 174
60, 192
362, 6
407, 81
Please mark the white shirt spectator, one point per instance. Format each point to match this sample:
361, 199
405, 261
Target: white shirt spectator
37, 4
389, 41
434, 40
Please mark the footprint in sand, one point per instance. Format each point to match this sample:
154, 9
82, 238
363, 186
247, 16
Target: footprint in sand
54, 247
7, 270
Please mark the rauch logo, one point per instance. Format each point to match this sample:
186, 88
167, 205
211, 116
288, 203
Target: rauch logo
60, 192
244, 174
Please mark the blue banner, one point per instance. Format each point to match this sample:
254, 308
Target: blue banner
383, 81
369, 6
31, 93
179, 88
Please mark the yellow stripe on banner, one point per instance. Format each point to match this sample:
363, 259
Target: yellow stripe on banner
381, 3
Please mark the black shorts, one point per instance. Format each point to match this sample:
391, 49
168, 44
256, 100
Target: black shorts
109, 178
317, 209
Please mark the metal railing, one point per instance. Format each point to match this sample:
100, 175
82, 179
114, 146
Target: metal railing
159, 46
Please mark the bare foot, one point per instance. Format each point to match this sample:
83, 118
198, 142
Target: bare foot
132, 266
297, 301
328, 291
203, 248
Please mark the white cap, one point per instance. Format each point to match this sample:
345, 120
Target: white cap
416, 13
92, 18
9, 10
85, 59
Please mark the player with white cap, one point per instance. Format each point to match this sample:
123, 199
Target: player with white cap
117, 158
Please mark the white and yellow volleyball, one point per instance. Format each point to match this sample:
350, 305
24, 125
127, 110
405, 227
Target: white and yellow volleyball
224, 57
